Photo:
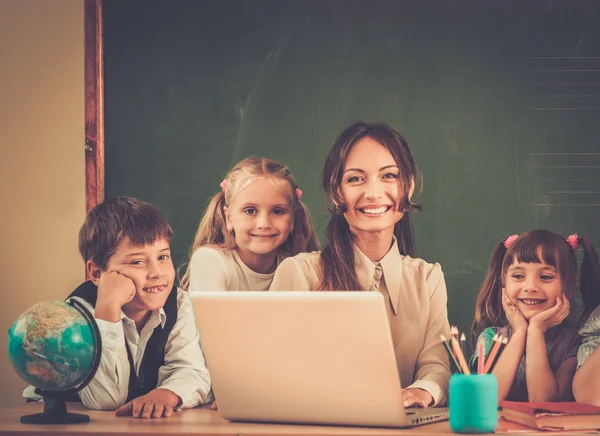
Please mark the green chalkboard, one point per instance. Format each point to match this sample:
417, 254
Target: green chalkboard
499, 101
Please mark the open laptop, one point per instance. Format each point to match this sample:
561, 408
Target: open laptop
304, 357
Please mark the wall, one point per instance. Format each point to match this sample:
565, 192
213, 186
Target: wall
42, 176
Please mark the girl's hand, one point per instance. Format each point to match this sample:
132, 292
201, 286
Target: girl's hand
416, 397
551, 317
513, 314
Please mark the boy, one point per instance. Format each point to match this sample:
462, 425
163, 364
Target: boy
151, 357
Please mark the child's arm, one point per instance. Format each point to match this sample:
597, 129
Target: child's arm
542, 383
508, 362
183, 381
108, 389
586, 384
208, 272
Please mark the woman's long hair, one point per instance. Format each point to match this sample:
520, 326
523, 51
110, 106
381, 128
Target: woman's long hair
337, 258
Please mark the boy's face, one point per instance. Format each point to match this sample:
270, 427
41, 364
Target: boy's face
150, 267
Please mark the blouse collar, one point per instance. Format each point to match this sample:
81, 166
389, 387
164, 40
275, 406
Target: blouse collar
390, 266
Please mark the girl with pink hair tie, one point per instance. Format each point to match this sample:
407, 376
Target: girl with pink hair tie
526, 296
256, 220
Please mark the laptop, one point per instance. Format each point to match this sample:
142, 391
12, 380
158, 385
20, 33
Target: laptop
304, 358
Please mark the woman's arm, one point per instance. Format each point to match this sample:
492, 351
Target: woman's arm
290, 276
432, 366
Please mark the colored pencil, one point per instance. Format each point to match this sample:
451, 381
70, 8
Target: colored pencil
450, 353
492, 356
503, 343
480, 357
463, 345
458, 351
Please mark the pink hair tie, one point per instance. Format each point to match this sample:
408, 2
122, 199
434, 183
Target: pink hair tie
223, 184
299, 193
573, 241
509, 241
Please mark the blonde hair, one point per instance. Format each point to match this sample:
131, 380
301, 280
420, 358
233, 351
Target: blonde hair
212, 229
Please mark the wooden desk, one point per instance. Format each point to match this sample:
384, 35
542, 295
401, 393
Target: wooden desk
200, 421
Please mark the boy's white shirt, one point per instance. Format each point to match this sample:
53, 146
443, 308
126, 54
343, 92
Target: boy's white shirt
184, 372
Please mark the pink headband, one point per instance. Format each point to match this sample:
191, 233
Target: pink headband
509, 241
572, 240
223, 186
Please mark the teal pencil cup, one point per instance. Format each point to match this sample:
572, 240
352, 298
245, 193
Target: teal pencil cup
473, 403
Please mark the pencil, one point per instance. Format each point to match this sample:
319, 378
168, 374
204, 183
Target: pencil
490, 360
480, 357
503, 342
463, 345
458, 351
450, 353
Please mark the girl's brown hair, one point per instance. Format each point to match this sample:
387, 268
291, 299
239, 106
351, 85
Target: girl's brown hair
556, 252
337, 258
212, 229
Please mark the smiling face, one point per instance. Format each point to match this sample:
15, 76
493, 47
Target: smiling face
150, 267
533, 286
262, 219
371, 188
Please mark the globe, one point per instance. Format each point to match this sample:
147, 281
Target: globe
55, 346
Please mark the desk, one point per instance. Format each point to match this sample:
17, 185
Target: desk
200, 421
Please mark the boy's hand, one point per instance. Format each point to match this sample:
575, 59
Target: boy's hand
158, 403
551, 317
416, 397
513, 314
114, 291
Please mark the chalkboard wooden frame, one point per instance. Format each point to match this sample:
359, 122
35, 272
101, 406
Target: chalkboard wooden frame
94, 103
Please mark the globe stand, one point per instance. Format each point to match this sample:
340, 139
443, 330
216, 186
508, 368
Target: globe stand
55, 406
55, 412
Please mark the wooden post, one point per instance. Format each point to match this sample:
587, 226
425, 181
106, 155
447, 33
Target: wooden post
94, 104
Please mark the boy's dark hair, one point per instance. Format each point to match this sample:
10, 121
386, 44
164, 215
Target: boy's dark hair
112, 220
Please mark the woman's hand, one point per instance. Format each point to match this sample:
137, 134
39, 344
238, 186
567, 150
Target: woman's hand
416, 397
551, 317
513, 314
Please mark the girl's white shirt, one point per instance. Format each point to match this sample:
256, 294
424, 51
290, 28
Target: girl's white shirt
216, 269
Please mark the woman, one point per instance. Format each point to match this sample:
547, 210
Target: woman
370, 177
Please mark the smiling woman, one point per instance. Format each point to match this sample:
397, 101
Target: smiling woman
370, 177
